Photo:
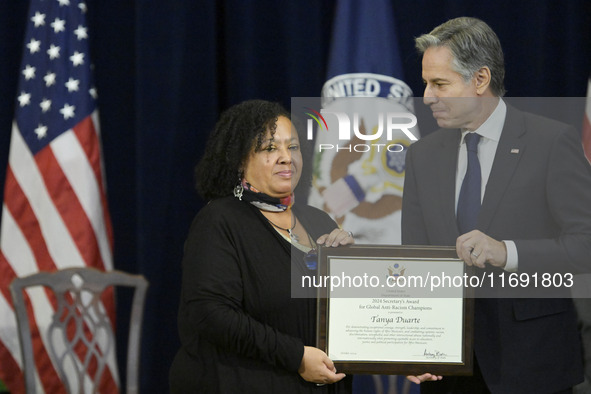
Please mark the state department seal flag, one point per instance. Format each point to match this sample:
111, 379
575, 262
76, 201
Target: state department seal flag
54, 212
586, 134
361, 187
359, 180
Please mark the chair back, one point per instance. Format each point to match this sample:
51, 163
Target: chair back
80, 336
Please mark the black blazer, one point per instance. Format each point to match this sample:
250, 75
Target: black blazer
539, 196
241, 329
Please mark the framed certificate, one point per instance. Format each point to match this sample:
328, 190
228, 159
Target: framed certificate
403, 310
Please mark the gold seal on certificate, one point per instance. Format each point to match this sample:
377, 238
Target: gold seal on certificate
395, 310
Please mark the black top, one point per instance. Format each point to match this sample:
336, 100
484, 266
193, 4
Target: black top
241, 331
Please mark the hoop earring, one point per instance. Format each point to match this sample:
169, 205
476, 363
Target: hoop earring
239, 189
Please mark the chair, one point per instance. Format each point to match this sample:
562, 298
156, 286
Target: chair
78, 311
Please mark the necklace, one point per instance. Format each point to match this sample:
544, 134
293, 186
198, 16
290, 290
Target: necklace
311, 258
294, 237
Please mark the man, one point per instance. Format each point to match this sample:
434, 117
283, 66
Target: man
525, 207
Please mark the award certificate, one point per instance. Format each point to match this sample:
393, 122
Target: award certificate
395, 310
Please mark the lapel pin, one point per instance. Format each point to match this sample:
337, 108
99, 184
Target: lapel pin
514, 150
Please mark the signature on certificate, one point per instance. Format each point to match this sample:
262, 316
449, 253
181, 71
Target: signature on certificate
434, 355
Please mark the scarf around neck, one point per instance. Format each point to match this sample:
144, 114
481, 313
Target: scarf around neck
264, 201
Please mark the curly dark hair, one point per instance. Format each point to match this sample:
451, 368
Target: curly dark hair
239, 130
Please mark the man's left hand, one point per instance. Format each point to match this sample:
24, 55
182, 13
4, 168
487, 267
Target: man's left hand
337, 237
476, 248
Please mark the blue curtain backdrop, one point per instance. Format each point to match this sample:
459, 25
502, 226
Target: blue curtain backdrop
165, 69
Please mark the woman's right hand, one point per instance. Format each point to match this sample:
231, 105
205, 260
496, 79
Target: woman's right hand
316, 367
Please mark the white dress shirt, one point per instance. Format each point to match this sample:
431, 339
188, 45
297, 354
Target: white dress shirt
490, 133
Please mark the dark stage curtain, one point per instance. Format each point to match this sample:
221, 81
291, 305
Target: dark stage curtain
165, 69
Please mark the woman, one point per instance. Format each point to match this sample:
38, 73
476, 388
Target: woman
241, 330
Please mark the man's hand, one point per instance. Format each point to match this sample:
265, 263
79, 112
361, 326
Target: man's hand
477, 248
336, 237
426, 377
316, 367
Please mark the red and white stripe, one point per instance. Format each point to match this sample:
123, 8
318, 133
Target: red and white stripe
54, 216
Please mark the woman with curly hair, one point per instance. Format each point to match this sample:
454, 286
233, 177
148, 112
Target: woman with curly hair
241, 330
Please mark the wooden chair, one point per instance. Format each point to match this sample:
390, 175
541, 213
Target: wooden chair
80, 311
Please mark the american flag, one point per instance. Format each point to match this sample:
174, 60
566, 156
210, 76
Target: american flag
587, 124
54, 212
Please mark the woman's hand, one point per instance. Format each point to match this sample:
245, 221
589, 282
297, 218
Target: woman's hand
335, 238
316, 367
426, 377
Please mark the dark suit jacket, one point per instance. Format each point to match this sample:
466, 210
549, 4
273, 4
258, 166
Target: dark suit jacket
539, 196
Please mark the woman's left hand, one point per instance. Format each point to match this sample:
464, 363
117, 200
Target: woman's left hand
336, 237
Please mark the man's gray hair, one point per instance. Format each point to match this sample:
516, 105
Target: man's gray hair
473, 45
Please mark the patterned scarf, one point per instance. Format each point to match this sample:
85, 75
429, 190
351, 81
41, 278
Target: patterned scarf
264, 201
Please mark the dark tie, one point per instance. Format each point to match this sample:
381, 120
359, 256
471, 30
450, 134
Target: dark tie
469, 200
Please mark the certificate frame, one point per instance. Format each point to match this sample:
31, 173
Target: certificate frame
393, 366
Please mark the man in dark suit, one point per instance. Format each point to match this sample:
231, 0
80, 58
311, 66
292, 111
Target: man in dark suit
512, 192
